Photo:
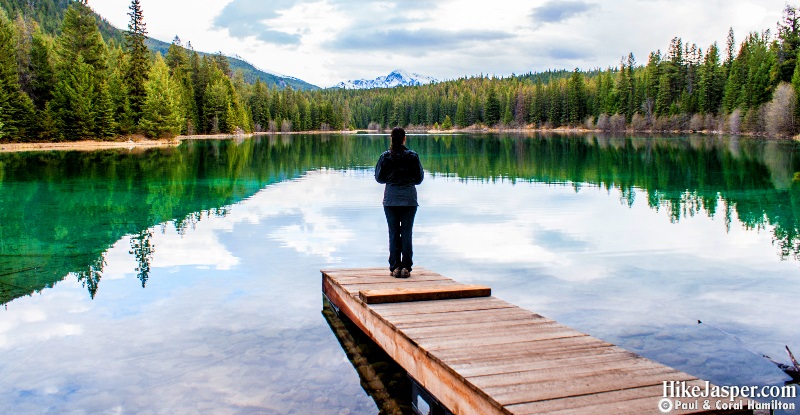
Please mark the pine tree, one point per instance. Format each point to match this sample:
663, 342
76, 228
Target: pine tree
576, 96
733, 88
199, 72
216, 103
712, 82
461, 112
119, 91
230, 120
138, 65
492, 112
787, 47
447, 124
81, 38
730, 52
796, 84
72, 102
42, 71
177, 57
104, 125
16, 108
81, 99
162, 113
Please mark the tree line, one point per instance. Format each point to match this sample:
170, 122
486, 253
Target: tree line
77, 82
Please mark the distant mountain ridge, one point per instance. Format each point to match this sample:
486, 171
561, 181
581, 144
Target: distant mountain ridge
397, 77
251, 73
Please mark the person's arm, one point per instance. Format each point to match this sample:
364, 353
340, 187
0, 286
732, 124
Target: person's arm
418, 179
379, 172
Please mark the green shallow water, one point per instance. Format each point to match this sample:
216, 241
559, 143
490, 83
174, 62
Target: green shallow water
187, 280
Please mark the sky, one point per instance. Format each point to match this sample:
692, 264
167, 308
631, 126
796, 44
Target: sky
324, 42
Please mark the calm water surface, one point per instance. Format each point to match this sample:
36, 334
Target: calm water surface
187, 280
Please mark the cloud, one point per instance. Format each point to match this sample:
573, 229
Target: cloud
568, 53
349, 25
556, 11
420, 39
247, 18
266, 21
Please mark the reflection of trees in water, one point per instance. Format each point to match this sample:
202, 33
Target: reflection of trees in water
90, 276
60, 211
682, 176
190, 220
142, 249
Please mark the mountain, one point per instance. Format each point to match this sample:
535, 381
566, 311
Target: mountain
249, 70
49, 14
398, 77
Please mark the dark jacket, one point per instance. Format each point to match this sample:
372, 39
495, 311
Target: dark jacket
401, 171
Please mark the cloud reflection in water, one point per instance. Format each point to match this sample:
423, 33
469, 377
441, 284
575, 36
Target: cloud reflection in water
229, 321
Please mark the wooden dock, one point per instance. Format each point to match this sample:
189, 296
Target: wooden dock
477, 354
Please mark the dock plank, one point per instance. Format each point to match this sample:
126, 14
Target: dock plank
441, 306
452, 330
486, 356
582, 385
552, 361
355, 287
440, 319
414, 293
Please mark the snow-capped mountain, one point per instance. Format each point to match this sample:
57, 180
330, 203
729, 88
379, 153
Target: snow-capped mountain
397, 77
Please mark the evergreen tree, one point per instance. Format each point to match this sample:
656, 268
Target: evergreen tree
221, 62
733, 87
796, 84
16, 108
230, 120
177, 57
787, 47
138, 65
81, 38
508, 116
730, 53
576, 98
447, 124
162, 113
492, 112
199, 76
104, 125
118, 88
461, 112
216, 103
81, 99
712, 82
73, 105
42, 70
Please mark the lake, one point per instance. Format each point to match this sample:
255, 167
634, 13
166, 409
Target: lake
186, 280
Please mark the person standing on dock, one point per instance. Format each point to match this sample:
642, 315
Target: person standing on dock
400, 169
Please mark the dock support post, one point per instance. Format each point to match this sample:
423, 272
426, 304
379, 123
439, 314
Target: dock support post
423, 403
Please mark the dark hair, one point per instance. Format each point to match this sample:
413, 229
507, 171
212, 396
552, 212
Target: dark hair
398, 135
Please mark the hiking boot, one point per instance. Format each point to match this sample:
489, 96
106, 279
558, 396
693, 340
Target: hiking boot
396, 273
404, 273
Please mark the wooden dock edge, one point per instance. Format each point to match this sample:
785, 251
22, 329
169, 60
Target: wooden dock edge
452, 390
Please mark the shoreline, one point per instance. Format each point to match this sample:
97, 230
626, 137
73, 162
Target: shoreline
141, 143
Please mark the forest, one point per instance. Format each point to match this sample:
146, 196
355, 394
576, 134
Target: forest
65, 74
